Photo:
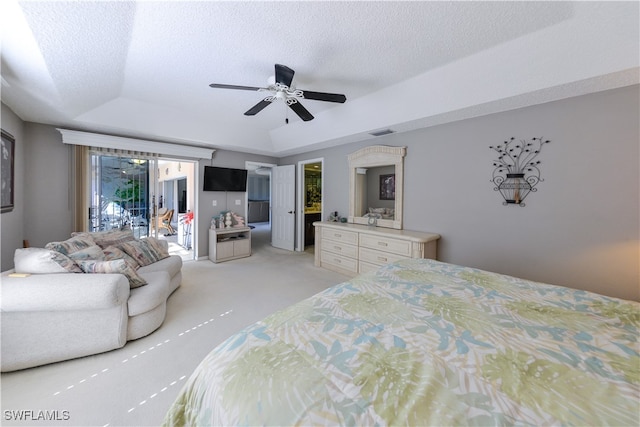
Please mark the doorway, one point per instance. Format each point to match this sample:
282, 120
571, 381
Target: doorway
176, 204
259, 193
310, 197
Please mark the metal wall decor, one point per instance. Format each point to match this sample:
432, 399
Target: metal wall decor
516, 172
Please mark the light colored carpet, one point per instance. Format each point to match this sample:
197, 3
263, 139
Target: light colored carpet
135, 385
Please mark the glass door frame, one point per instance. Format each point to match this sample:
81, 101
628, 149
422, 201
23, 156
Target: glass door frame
130, 203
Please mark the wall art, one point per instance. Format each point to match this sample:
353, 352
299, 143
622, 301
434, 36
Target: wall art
516, 171
7, 171
388, 187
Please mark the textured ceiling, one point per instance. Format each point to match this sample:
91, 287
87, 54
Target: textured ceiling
142, 69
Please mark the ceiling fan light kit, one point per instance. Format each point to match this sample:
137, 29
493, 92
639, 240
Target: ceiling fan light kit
282, 90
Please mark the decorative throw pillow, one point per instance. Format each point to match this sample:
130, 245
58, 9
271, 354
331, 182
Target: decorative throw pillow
145, 251
161, 246
115, 266
71, 245
114, 252
92, 252
108, 238
66, 262
377, 210
39, 261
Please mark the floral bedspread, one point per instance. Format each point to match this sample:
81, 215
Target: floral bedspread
420, 342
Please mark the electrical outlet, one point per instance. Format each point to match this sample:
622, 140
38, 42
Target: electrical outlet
215, 203
238, 202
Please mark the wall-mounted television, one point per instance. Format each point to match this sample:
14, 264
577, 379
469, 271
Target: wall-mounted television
224, 179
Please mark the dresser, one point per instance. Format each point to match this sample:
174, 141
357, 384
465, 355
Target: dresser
352, 249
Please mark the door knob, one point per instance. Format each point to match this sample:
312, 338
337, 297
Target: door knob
291, 212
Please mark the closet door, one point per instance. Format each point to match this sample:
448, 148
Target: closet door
283, 207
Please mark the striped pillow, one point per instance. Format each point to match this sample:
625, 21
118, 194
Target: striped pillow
92, 252
114, 252
65, 262
118, 266
104, 239
145, 251
71, 245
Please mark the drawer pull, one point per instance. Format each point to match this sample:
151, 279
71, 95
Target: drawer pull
337, 260
337, 235
337, 248
383, 259
382, 244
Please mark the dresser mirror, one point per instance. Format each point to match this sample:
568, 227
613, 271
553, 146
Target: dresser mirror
376, 177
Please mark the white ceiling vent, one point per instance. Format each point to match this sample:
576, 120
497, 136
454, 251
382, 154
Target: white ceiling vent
382, 132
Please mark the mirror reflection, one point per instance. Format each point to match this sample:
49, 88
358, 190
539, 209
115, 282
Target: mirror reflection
375, 186
375, 191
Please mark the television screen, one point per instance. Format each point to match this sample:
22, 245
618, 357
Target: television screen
224, 179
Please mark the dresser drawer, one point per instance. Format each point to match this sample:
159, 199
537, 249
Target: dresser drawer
378, 257
342, 262
340, 248
399, 247
342, 236
365, 267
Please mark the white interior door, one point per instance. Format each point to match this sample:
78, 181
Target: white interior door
283, 218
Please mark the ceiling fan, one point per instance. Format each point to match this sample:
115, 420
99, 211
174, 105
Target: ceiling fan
282, 90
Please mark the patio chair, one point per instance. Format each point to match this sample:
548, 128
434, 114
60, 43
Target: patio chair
164, 221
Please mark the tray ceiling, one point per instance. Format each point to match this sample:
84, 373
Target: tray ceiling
142, 69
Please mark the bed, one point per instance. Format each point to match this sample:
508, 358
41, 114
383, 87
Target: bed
421, 342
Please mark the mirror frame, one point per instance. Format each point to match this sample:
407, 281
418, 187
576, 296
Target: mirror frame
373, 156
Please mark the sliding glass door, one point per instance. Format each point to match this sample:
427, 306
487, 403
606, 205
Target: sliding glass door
122, 193
137, 191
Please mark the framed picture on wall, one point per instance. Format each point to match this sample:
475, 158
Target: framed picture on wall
388, 187
8, 153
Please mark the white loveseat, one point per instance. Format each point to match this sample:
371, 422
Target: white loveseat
58, 315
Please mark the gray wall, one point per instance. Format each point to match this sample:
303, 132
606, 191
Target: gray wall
43, 205
43, 211
11, 223
580, 229
43, 174
48, 211
224, 200
259, 187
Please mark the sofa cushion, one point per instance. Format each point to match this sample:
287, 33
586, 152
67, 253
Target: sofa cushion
38, 261
171, 265
71, 245
107, 238
110, 267
146, 298
63, 292
145, 251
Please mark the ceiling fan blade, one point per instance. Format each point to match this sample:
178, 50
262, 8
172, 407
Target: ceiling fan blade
257, 108
323, 96
223, 86
301, 111
284, 75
